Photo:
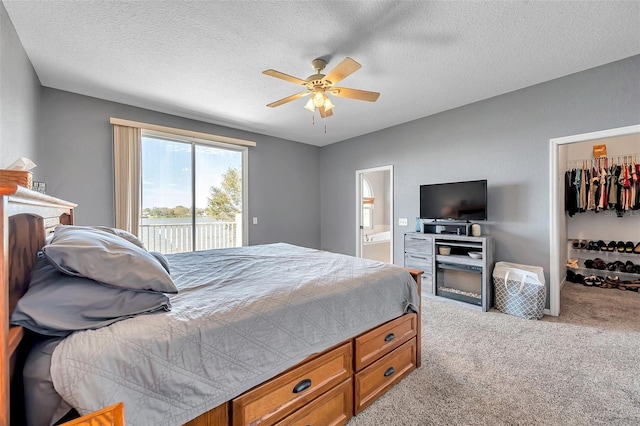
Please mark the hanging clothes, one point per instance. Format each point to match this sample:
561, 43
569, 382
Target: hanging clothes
636, 186
603, 185
613, 187
602, 199
584, 189
570, 203
594, 182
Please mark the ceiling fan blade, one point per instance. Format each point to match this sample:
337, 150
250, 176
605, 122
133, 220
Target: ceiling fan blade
344, 69
324, 113
287, 99
285, 77
362, 95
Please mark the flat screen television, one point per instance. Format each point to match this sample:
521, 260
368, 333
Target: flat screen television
459, 201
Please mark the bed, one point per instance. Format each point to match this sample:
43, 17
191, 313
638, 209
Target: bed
328, 372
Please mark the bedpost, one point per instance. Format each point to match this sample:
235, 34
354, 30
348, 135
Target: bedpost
416, 274
4, 309
25, 217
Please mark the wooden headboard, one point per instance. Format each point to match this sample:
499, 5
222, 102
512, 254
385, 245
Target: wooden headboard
27, 217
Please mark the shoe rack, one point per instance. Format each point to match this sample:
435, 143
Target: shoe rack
606, 264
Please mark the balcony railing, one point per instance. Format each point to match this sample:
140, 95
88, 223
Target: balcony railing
177, 237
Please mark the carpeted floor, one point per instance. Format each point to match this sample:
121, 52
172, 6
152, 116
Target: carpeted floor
581, 368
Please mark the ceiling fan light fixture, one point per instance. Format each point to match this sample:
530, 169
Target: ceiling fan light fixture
328, 105
310, 106
318, 98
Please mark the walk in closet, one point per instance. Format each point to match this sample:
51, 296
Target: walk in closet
602, 213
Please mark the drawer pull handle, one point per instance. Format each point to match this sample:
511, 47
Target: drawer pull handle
303, 385
389, 371
389, 337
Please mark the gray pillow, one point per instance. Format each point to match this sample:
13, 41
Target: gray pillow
106, 258
162, 259
122, 234
57, 304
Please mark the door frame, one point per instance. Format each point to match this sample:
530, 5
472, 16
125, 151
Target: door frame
556, 209
359, 174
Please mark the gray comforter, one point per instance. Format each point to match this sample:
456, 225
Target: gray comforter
241, 317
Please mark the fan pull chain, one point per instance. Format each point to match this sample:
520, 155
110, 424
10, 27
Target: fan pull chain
313, 119
325, 128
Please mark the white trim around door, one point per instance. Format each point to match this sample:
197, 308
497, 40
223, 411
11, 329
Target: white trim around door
359, 175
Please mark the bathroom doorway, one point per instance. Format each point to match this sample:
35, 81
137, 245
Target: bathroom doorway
374, 213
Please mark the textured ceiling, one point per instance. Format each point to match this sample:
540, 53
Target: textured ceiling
204, 60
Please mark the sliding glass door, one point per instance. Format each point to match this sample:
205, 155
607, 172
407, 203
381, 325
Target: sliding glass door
192, 194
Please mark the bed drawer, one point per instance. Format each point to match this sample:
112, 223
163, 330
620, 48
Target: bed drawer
376, 379
110, 416
282, 395
382, 340
333, 408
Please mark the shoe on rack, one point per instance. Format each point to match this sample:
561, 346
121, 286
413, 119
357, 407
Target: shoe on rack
588, 264
599, 264
636, 249
612, 282
601, 245
628, 247
620, 246
629, 267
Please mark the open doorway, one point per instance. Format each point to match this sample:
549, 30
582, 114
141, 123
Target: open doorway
559, 226
374, 213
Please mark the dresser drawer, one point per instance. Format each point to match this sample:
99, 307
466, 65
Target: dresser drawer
427, 284
376, 379
332, 408
282, 395
382, 340
418, 261
419, 243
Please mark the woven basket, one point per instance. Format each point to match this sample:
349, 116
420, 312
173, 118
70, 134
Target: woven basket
16, 177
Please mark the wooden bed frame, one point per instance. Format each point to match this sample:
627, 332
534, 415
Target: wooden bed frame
346, 378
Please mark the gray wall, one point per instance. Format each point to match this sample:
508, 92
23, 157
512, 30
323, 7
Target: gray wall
504, 139
19, 97
77, 165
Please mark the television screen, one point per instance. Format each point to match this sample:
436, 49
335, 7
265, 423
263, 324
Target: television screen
454, 201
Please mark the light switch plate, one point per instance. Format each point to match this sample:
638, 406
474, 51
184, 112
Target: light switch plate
402, 221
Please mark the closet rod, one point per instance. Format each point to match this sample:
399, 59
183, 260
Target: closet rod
615, 159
